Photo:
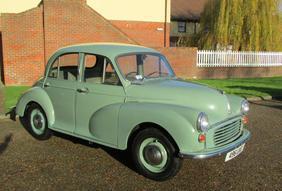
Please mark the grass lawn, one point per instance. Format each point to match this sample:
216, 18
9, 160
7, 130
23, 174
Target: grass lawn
11, 95
248, 87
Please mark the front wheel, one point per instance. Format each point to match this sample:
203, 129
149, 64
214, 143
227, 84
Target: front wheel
154, 155
35, 121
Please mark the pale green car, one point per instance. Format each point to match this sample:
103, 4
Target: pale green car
128, 97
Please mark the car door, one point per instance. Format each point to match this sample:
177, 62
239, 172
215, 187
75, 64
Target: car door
99, 97
61, 85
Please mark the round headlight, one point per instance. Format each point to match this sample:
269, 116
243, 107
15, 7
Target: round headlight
203, 122
245, 107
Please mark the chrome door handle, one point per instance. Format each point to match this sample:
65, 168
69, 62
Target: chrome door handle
82, 90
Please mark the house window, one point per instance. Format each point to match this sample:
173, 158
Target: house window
181, 26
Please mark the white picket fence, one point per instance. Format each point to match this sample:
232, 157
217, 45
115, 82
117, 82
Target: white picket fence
206, 58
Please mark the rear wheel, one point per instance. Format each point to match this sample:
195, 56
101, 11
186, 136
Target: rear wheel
36, 122
154, 155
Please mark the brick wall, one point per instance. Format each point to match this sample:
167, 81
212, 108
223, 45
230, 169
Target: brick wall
183, 61
69, 22
240, 72
150, 34
22, 36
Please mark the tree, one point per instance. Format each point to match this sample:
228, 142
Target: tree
243, 24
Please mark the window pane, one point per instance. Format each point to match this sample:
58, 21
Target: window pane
151, 65
128, 66
144, 66
181, 26
53, 72
94, 67
111, 77
68, 67
155, 67
90, 61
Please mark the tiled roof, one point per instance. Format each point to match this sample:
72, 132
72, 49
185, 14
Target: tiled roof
187, 9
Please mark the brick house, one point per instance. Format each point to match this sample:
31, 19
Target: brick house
185, 19
27, 39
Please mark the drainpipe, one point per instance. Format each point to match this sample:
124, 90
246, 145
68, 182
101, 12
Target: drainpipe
165, 28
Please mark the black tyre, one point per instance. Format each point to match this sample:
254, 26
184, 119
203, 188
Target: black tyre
35, 122
154, 155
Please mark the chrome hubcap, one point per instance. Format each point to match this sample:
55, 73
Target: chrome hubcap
152, 155
37, 121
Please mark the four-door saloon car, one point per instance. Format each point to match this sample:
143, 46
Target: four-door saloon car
128, 97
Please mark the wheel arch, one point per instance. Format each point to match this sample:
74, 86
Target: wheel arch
40, 97
146, 125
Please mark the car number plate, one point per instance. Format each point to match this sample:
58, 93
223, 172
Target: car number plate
234, 153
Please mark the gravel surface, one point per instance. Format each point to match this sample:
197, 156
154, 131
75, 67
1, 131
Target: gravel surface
65, 163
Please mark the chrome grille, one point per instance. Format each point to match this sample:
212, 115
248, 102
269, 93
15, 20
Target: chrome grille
227, 133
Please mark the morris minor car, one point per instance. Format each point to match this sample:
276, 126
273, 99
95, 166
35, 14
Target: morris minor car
127, 97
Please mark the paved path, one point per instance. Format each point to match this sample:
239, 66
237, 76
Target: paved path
63, 163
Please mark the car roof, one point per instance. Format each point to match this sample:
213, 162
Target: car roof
106, 49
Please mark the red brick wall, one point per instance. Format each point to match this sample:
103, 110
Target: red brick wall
69, 22
240, 72
183, 61
150, 34
22, 37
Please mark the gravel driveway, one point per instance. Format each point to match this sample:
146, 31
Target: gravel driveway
65, 163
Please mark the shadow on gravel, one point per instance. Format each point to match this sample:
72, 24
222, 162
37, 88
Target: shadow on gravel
274, 92
276, 104
4, 145
120, 155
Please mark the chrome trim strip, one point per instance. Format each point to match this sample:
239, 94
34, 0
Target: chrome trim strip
245, 137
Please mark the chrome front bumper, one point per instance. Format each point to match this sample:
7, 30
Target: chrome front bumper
218, 151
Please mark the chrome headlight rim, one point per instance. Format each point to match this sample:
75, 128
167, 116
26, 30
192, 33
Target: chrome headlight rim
203, 122
245, 107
